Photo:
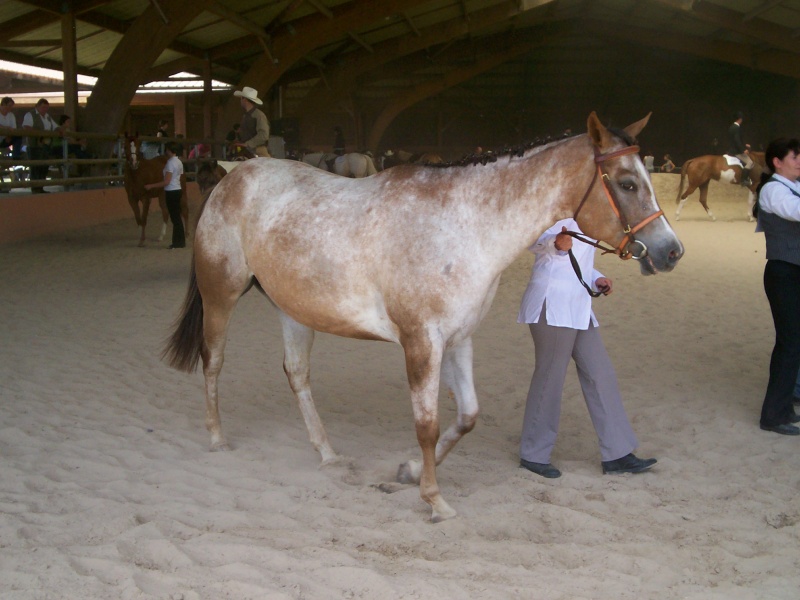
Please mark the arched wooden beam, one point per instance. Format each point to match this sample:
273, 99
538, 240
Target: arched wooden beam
310, 32
342, 79
139, 48
456, 77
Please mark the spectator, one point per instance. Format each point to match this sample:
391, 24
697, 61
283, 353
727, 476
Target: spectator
39, 147
9, 121
76, 148
668, 166
648, 162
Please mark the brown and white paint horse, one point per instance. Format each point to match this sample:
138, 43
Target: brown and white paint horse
698, 173
139, 172
412, 255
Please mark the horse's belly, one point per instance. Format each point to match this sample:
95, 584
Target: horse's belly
339, 314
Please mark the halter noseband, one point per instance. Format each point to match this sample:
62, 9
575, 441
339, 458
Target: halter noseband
622, 250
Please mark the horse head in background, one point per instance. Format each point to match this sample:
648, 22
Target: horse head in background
698, 173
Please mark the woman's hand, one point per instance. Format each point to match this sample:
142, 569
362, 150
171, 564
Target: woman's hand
603, 285
563, 241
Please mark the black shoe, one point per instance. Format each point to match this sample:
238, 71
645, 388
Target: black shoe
794, 419
628, 464
783, 429
543, 469
171, 247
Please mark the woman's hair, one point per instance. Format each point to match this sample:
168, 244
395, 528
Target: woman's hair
63, 119
162, 122
776, 149
173, 147
779, 149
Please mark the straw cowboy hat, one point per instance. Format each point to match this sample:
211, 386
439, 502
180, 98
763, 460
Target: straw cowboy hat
250, 94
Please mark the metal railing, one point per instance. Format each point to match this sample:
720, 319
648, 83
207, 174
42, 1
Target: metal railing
69, 166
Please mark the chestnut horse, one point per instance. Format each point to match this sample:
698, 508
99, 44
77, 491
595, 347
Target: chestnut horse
699, 172
412, 255
138, 173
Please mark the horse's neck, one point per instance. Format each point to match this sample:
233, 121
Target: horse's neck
519, 198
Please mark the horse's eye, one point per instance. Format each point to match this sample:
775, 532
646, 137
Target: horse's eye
628, 186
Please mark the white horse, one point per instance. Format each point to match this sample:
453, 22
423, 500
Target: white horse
412, 255
353, 164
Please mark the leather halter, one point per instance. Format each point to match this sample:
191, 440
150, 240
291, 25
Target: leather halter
622, 249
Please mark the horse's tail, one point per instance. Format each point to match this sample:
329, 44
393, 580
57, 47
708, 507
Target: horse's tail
684, 171
183, 348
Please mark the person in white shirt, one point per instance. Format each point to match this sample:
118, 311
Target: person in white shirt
9, 121
172, 192
558, 311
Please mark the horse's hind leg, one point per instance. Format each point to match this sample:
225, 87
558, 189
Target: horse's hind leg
457, 376
704, 200
219, 300
682, 199
297, 342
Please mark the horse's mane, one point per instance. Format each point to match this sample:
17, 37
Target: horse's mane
492, 155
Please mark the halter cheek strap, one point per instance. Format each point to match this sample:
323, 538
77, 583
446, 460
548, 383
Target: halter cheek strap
630, 231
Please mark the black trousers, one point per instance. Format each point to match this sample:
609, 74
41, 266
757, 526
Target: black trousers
782, 285
173, 198
39, 153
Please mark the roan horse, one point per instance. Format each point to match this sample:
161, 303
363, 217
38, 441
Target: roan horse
412, 255
352, 164
138, 173
698, 173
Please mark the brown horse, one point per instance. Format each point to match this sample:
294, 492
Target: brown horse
699, 172
412, 255
138, 173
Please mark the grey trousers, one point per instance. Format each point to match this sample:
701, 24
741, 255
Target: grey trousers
554, 346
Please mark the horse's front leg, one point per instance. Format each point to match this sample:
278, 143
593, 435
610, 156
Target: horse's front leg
457, 376
297, 342
145, 211
423, 363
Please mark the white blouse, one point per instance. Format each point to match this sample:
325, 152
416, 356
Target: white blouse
554, 280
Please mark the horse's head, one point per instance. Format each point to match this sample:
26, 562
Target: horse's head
131, 150
620, 206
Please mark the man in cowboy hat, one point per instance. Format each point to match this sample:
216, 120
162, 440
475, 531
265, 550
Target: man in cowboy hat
254, 129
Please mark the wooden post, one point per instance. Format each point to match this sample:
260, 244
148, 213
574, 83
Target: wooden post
70, 56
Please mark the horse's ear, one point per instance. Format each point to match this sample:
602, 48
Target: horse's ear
597, 132
635, 129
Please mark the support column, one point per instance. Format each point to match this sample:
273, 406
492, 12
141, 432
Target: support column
70, 56
179, 114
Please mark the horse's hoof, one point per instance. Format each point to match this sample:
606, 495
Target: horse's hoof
442, 513
409, 472
220, 447
141, 244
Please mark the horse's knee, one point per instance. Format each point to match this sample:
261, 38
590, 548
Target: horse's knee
466, 422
